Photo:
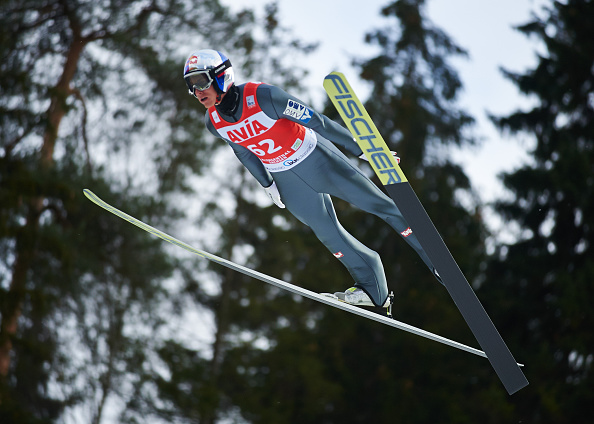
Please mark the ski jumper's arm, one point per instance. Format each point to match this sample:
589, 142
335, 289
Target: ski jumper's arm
246, 157
275, 102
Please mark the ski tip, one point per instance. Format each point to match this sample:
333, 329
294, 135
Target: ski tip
88, 193
336, 78
339, 74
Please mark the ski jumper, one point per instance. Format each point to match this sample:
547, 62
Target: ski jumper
280, 139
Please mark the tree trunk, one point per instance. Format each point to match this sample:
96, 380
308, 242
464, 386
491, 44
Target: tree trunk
26, 237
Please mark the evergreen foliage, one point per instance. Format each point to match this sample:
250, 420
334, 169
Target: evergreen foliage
92, 96
99, 322
317, 365
542, 282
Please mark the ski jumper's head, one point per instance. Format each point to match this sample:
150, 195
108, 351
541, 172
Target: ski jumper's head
203, 67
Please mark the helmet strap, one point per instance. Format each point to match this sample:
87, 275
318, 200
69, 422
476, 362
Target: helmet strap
221, 68
215, 74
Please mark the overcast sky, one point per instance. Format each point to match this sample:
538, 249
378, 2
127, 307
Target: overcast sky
483, 28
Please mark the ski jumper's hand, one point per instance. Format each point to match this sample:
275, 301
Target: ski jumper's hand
273, 193
363, 157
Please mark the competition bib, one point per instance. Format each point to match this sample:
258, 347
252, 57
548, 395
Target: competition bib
279, 144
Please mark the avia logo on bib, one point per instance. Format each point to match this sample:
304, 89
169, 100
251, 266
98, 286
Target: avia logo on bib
251, 127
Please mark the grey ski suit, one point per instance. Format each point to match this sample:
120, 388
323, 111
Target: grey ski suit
306, 185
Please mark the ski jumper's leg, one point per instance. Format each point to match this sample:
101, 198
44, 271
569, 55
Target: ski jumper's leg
344, 180
316, 211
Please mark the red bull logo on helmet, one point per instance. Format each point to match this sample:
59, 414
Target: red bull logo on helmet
191, 64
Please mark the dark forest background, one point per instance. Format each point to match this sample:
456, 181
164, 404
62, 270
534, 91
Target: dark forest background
102, 323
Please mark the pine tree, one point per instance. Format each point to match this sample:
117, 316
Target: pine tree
88, 99
316, 364
543, 280
207, 385
412, 100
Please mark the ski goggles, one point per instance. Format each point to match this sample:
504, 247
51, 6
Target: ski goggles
200, 81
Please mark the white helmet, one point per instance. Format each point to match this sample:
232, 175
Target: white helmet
205, 66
